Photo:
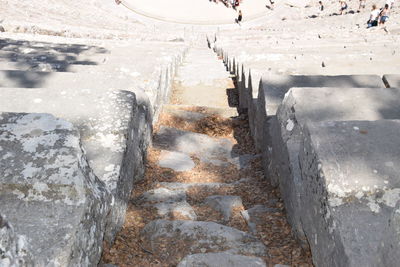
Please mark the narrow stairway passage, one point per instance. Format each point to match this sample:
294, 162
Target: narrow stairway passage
204, 199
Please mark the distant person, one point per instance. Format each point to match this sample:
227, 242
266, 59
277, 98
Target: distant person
384, 15
362, 5
373, 17
271, 6
321, 6
237, 3
239, 18
118, 2
343, 6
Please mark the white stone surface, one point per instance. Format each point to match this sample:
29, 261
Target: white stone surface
221, 260
198, 236
48, 192
224, 204
175, 160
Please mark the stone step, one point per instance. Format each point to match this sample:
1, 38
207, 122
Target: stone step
206, 110
110, 55
215, 151
200, 186
176, 210
105, 119
221, 260
392, 80
305, 105
273, 89
63, 80
255, 216
190, 237
155, 82
350, 192
188, 116
53, 66
49, 194
224, 204
206, 148
41, 47
31, 53
202, 80
176, 161
161, 194
169, 203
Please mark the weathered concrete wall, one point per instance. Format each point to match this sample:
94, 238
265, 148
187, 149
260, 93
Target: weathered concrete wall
350, 192
48, 192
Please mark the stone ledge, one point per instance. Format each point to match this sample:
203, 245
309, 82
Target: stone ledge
115, 132
392, 80
350, 193
302, 105
48, 192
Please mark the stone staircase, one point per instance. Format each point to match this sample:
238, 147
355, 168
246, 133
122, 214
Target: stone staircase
280, 148
315, 104
205, 201
73, 187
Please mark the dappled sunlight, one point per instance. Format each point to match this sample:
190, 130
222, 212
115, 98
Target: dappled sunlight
203, 181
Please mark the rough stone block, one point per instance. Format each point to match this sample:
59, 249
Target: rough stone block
273, 88
115, 133
162, 195
14, 251
224, 204
43, 79
48, 192
38, 64
176, 161
209, 150
351, 192
302, 105
392, 80
198, 237
154, 90
221, 260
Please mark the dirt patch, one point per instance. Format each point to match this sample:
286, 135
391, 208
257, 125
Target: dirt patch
213, 125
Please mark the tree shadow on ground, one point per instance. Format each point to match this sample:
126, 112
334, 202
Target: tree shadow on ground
42, 57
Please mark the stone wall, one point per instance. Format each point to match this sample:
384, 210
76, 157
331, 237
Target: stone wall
67, 177
328, 142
